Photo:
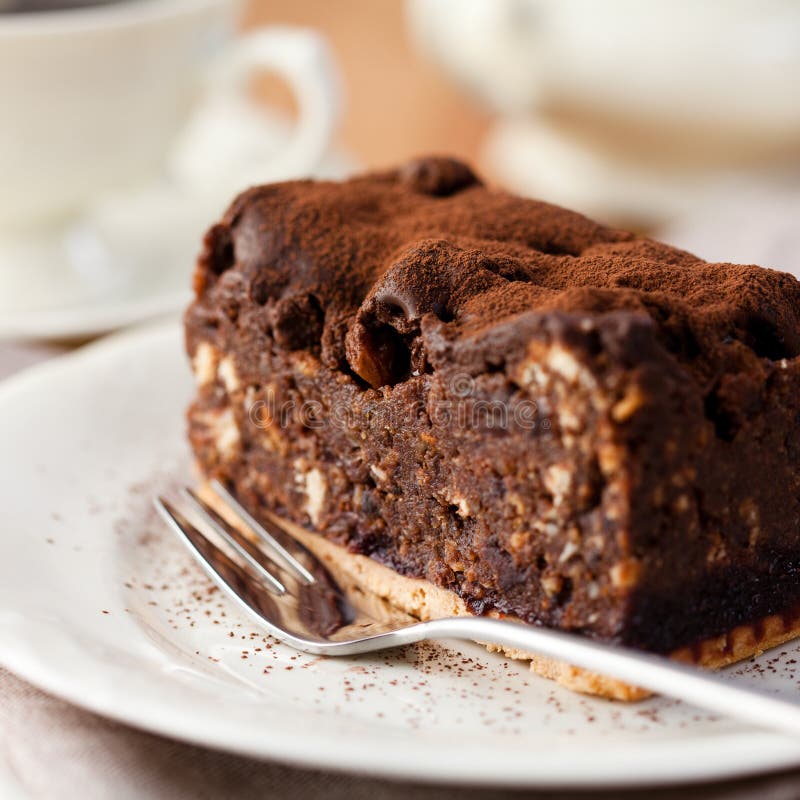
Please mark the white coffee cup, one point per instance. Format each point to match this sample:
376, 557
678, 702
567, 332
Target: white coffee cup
93, 97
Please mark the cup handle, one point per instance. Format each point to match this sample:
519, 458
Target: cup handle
302, 58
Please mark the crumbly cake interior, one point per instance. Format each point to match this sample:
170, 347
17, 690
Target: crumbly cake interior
425, 601
551, 419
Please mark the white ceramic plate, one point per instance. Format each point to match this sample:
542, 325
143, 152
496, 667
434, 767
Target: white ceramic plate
90, 319
100, 606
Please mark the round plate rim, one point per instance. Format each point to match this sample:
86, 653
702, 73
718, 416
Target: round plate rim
90, 319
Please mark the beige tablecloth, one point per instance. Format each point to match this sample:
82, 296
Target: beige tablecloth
51, 750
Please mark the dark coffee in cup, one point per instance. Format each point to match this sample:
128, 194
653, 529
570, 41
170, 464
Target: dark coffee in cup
28, 6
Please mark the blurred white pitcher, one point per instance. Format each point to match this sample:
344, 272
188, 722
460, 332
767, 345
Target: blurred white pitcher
626, 109
94, 97
680, 63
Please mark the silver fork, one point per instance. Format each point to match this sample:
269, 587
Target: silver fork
299, 601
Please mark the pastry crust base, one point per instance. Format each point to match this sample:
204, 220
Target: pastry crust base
426, 601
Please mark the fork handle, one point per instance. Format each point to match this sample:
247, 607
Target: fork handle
659, 674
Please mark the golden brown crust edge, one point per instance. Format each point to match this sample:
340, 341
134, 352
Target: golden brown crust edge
425, 601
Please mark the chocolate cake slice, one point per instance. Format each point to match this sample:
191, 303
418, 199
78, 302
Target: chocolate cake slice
486, 404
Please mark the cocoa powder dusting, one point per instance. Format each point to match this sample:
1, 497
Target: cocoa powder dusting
355, 270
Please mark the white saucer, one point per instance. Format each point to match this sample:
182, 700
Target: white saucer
83, 321
126, 260
129, 256
99, 605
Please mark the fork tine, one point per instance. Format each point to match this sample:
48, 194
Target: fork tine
240, 584
277, 551
207, 515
